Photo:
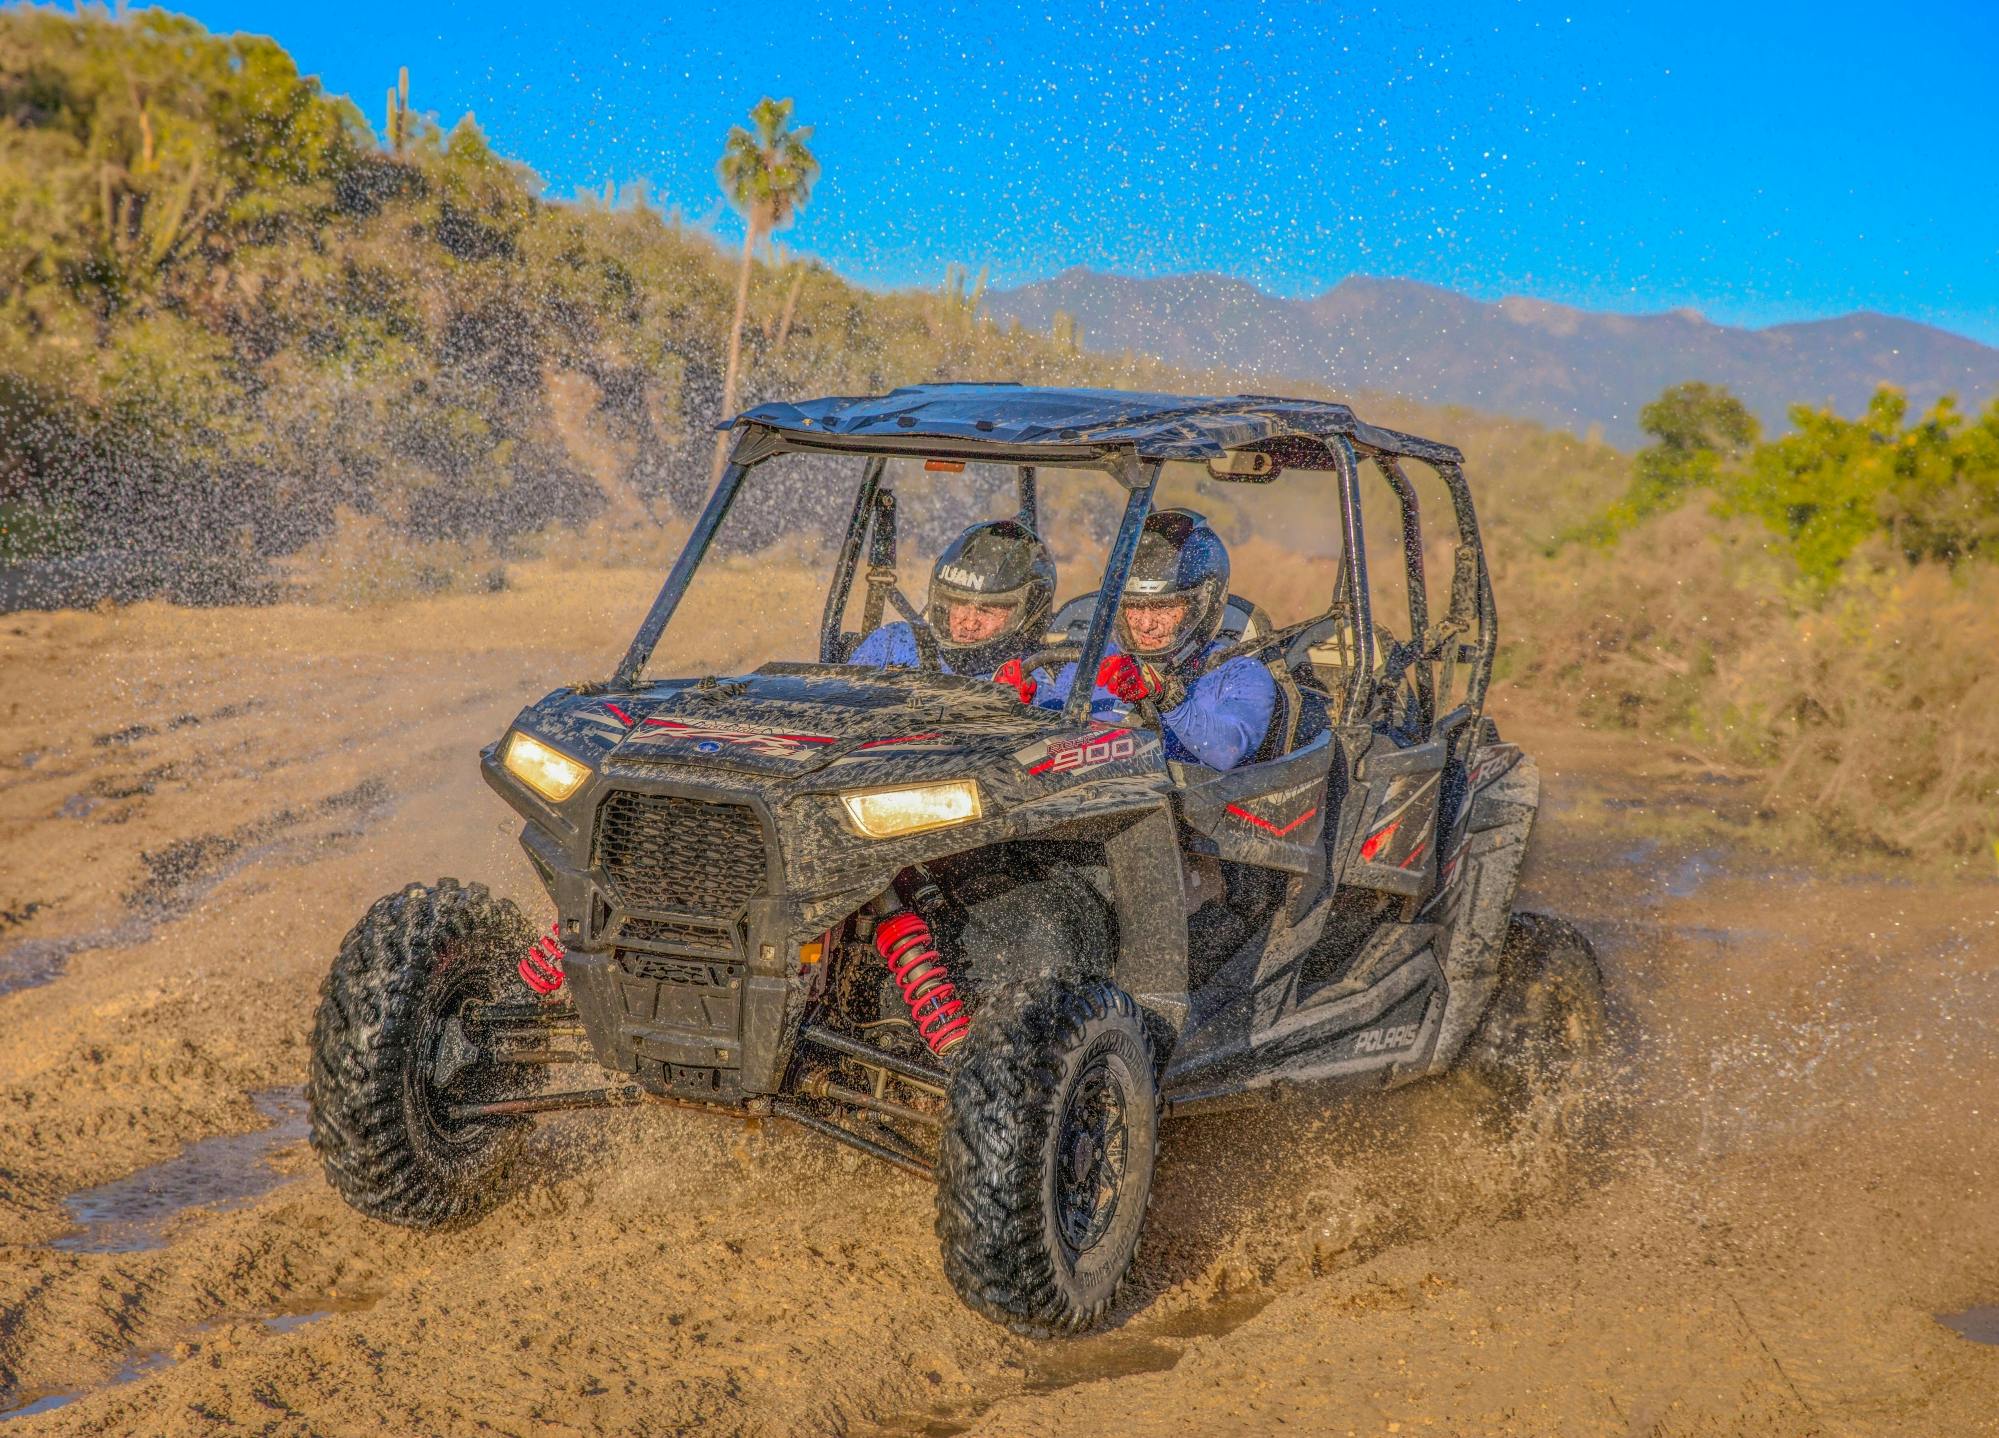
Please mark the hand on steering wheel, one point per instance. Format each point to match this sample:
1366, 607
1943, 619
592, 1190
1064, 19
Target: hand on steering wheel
1130, 680
1135, 682
1056, 655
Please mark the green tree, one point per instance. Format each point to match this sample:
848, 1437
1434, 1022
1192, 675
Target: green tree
1697, 430
1931, 488
767, 173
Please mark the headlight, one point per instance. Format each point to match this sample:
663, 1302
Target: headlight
885, 813
554, 776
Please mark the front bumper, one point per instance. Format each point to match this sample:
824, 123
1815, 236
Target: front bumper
688, 980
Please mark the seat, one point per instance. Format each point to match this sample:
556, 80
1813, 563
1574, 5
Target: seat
1299, 716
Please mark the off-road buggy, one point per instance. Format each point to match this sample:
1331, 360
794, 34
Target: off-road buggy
911, 913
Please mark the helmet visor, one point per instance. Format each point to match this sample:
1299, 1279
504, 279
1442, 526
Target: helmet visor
966, 619
1153, 624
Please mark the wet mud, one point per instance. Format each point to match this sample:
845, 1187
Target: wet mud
132, 1213
1784, 1225
1980, 1325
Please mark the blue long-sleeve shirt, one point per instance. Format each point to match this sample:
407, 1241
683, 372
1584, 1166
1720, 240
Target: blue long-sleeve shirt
1220, 723
893, 644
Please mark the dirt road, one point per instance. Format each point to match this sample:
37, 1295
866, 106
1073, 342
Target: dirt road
194, 806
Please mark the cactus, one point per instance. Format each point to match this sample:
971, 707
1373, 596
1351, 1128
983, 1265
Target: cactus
961, 299
165, 230
399, 112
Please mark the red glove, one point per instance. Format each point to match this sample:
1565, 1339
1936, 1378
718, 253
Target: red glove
1129, 680
1010, 673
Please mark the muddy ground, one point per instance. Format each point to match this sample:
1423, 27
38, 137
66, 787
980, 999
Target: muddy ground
195, 805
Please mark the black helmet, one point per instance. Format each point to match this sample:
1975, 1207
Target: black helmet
998, 563
1179, 559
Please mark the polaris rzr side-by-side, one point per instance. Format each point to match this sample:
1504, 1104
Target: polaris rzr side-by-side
986, 936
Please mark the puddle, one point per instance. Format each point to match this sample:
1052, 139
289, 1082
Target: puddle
324, 1306
1630, 932
31, 962
27, 1405
1980, 1324
1685, 878
313, 1307
1682, 880
1721, 938
131, 1213
1641, 852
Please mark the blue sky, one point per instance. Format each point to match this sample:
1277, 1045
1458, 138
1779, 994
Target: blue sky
1756, 162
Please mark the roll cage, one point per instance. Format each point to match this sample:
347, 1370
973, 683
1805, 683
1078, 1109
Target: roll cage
1130, 437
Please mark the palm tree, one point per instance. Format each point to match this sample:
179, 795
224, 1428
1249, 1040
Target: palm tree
767, 173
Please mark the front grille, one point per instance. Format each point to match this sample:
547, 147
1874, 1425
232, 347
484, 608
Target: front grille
683, 855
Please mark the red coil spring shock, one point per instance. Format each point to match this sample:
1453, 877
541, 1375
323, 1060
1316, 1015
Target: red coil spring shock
541, 966
903, 940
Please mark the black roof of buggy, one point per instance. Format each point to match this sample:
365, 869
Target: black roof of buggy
1025, 417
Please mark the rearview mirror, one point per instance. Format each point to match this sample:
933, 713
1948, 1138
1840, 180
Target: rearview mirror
1243, 464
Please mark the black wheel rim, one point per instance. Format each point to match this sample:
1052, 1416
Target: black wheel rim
1092, 1150
449, 995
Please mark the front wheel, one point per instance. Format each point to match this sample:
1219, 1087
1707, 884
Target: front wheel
1046, 1162
391, 1056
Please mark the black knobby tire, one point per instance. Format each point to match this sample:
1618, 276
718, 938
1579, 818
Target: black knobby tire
1046, 1162
379, 1115
1544, 1040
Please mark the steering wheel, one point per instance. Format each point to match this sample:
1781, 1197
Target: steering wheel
1055, 656
1052, 658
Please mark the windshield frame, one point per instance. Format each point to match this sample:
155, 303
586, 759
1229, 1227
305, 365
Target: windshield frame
758, 444
1138, 475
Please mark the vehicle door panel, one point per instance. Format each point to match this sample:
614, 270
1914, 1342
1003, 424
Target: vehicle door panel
1394, 846
1271, 814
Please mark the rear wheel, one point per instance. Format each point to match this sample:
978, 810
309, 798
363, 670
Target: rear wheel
391, 1056
1541, 1049
1046, 1162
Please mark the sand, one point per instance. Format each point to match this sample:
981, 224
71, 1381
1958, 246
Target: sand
195, 805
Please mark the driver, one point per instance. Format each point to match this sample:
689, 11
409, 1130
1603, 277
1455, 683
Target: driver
1168, 618
990, 596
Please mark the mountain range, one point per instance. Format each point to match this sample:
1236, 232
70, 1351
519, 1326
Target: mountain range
1572, 368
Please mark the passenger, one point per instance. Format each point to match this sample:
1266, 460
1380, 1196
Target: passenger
1169, 616
991, 593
